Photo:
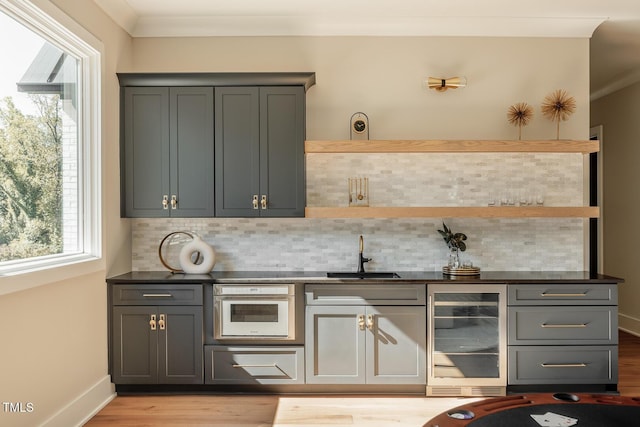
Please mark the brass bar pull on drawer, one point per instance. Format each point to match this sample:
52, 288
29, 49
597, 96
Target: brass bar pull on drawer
157, 295
266, 365
563, 365
551, 325
551, 294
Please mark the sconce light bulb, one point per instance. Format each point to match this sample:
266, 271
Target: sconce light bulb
441, 85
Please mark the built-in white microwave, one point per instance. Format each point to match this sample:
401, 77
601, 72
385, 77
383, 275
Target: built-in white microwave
248, 311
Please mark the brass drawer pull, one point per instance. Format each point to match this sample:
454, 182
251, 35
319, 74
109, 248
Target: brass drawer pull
546, 294
157, 295
563, 365
267, 365
577, 325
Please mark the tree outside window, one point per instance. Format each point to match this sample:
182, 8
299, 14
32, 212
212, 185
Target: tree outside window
40, 154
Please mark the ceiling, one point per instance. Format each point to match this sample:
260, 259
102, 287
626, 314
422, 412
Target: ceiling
613, 25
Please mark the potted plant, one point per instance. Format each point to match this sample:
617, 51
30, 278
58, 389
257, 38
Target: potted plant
455, 243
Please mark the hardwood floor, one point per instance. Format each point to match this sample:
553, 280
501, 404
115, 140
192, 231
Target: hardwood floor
310, 411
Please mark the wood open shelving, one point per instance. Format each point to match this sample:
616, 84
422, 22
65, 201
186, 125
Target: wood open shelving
453, 146
455, 212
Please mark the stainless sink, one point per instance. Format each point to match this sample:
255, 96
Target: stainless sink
366, 275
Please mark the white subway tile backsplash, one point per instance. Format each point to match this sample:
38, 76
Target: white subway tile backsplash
439, 179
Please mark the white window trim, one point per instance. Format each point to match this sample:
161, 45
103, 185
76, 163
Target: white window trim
51, 23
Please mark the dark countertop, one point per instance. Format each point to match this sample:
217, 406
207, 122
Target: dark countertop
507, 277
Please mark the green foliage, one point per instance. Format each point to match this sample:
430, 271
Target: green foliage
30, 179
453, 240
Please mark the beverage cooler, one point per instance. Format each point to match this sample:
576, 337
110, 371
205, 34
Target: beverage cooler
467, 343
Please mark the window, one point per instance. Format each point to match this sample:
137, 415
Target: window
49, 142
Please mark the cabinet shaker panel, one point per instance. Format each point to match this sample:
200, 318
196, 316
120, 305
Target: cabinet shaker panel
145, 178
259, 149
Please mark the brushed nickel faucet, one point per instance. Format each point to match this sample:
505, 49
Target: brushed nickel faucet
362, 259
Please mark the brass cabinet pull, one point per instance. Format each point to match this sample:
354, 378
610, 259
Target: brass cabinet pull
263, 202
152, 322
551, 294
563, 365
361, 322
174, 202
255, 201
161, 323
551, 325
157, 295
165, 202
370, 322
244, 365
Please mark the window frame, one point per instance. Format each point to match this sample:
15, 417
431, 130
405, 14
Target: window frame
49, 22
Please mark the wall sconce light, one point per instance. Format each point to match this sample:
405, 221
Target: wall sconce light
443, 84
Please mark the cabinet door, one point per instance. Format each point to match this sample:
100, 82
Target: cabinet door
335, 345
180, 345
282, 151
135, 344
237, 151
191, 155
396, 345
145, 177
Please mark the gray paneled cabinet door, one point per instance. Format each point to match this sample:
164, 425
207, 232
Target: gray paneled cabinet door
259, 149
365, 345
168, 152
167, 352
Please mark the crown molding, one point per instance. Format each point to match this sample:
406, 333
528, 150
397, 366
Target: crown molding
455, 26
615, 85
121, 13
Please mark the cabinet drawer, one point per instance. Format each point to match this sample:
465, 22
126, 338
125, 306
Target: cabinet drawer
563, 365
366, 294
563, 325
556, 294
254, 365
157, 294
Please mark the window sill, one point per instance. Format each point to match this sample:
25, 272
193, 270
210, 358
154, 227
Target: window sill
40, 274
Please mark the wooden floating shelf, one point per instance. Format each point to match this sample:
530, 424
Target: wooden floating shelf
455, 212
452, 146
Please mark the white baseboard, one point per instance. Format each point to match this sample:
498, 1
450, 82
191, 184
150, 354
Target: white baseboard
629, 324
85, 406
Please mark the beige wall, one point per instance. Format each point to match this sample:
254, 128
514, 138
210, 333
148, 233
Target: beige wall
618, 114
53, 337
383, 78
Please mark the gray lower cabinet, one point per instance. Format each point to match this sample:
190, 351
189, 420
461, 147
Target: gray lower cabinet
168, 152
365, 344
563, 334
157, 344
259, 150
254, 365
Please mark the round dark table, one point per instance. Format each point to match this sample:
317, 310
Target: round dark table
591, 410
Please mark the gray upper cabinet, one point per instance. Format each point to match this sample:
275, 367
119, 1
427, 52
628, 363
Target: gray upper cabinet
168, 152
259, 149
168, 159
